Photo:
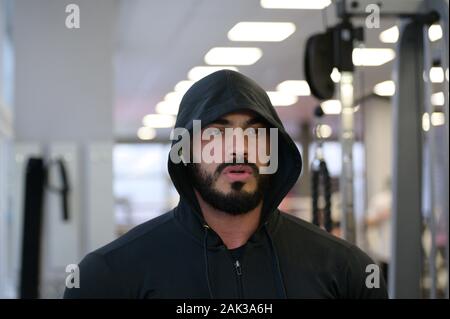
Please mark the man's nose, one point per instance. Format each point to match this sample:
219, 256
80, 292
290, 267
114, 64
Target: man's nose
237, 149
240, 157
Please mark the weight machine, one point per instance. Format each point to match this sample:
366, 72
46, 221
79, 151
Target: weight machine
417, 190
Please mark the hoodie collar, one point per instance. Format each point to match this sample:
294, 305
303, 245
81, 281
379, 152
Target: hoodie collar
194, 224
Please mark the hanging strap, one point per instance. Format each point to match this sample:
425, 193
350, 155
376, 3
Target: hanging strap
64, 189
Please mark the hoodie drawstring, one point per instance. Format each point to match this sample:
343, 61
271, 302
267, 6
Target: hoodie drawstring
276, 266
205, 250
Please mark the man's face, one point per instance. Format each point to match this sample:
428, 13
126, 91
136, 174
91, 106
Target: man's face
233, 184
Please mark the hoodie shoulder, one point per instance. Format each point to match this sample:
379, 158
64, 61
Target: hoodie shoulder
353, 267
133, 237
306, 229
117, 269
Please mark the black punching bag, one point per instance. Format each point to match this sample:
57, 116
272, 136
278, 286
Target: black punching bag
32, 229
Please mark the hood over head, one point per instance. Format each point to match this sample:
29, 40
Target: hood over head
224, 92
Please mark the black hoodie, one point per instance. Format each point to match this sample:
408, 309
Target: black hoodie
177, 256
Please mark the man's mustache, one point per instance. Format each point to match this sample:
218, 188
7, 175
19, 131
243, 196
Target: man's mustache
222, 166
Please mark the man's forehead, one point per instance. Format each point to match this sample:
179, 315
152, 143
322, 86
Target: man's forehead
244, 116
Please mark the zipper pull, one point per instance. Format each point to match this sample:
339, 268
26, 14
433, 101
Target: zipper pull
237, 265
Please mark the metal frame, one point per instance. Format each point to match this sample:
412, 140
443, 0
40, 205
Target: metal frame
347, 140
410, 101
405, 269
429, 158
442, 8
395, 8
414, 58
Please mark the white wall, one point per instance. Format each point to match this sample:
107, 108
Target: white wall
2, 37
64, 107
5, 147
377, 115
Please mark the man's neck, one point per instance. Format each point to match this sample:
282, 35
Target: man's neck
234, 230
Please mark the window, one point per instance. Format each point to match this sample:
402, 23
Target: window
142, 186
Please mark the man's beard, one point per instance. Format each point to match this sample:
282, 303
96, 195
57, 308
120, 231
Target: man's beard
235, 202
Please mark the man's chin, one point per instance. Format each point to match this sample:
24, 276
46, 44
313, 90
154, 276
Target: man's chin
236, 189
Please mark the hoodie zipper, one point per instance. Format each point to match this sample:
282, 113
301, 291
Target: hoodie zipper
237, 267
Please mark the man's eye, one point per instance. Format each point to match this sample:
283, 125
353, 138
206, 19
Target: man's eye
257, 131
215, 131
252, 132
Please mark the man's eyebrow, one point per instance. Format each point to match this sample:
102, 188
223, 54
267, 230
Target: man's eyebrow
251, 121
220, 122
255, 120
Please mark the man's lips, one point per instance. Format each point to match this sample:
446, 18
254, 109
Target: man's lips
236, 173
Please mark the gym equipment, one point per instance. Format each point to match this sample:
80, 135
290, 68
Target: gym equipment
35, 185
320, 183
334, 49
31, 247
411, 101
319, 65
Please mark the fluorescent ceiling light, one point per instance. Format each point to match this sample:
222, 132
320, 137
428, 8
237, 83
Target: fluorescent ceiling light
158, 120
294, 87
165, 107
437, 118
233, 56
385, 88
146, 133
323, 131
182, 86
426, 122
335, 75
437, 75
372, 56
295, 4
389, 35
261, 31
438, 98
171, 102
331, 107
434, 32
281, 98
199, 72
174, 97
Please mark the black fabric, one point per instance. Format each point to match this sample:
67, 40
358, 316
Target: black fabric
32, 228
178, 256
237, 253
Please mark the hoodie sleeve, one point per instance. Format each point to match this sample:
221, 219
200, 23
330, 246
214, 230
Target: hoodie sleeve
96, 280
363, 276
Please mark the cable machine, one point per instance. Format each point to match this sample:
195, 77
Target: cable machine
320, 181
415, 157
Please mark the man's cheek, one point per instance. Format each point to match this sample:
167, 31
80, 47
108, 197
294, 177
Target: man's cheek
210, 169
258, 149
212, 151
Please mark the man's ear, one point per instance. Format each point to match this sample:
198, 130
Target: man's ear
181, 155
